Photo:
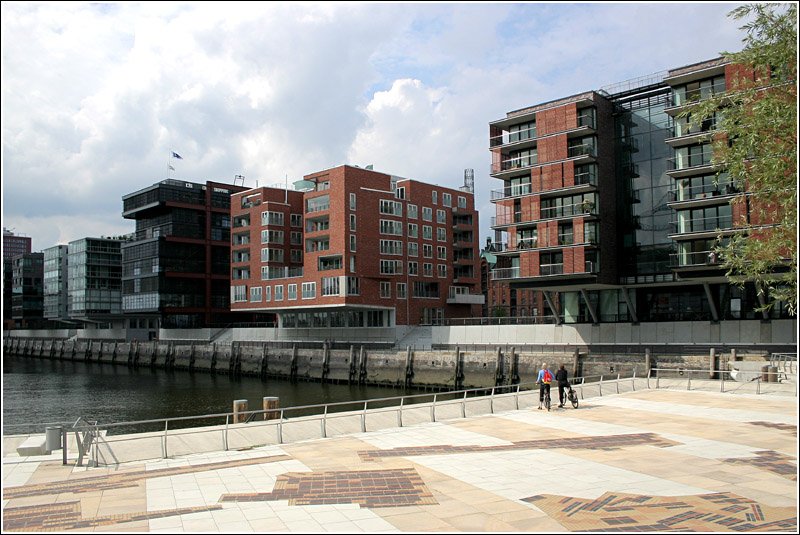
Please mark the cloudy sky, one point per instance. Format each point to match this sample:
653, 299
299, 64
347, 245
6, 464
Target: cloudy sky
95, 96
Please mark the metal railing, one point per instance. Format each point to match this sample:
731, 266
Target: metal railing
97, 437
703, 378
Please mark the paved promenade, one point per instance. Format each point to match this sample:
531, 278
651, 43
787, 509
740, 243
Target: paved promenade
649, 460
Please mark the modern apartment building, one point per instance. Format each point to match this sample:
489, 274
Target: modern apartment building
611, 206
358, 248
94, 281
13, 245
176, 268
55, 283
27, 290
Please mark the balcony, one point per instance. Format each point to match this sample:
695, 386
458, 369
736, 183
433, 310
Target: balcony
586, 120
510, 138
705, 194
712, 225
678, 101
510, 191
685, 164
459, 295
505, 273
283, 272
586, 149
512, 164
696, 260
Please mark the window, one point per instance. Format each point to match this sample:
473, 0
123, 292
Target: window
441, 217
400, 193
447, 200
279, 292
328, 263
441, 252
413, 230
352, 285
394, 228
296, 238
434, 197
426, 289
352, 243
272, 218
330, 285
297, 256
352, 222
391, 207
267, 293
296, 220
462, 202
413, 268
441, 234
317, 204
412, 211
291, 292
565, 233
442, 269
391, 267
309, 290
352, 264
427, 250
352, 201
392, 247
401, 290
413, 249
427, 270
272, 236
238, 294
269, 254
427, 213
386, 290
427, 232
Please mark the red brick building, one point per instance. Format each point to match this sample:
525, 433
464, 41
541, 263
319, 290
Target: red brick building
358, 248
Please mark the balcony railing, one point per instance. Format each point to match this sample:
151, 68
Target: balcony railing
686, 161
698, 258
512, 137
510, 191
696, 95
586, 120
505, 273
705, 224
551, 269
581, 150
703, 192
519, 162
569, 210
283, 272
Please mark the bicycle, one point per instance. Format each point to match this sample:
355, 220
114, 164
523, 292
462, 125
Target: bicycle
572, 396
546, 394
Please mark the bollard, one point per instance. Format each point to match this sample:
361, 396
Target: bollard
271, 404
712, 363
239, 406
52, 438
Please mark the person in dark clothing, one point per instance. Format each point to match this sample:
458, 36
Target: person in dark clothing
563, 383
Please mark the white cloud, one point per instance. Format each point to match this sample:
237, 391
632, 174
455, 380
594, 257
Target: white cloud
96, 95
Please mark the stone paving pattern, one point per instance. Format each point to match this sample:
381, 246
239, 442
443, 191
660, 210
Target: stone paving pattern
653, 460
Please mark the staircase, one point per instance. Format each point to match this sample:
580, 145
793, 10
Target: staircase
419, 337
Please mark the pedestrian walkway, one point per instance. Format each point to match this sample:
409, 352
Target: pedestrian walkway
647, 460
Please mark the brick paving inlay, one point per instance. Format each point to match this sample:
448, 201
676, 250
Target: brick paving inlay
126, 479
791, 429
67, 515
634, 512
770, 460
609, 442
367, 488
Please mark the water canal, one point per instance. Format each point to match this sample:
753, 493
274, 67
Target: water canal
43, 391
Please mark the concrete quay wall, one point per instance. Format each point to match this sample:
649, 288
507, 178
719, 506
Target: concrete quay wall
445, 368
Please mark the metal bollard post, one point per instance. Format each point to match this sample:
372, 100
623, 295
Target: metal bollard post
166, 425
400, 413
433, 409
323, 422
601, 386
689, 381
464, 405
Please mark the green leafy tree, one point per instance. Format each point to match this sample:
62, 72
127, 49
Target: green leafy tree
756, 144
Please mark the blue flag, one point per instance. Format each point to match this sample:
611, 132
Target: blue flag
176, 155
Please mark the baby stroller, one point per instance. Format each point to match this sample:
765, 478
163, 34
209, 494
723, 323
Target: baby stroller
572, 396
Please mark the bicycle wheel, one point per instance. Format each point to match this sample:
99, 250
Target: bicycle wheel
547, 400
574, 399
